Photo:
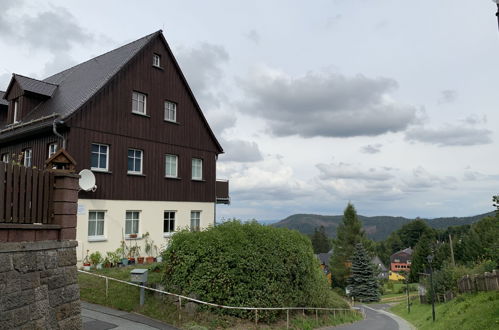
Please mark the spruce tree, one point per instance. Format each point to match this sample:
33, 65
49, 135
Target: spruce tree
363, 281
348, 234
320, 241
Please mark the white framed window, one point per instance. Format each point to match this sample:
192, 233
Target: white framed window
28, 157
197, 169
156, 60
168, 223
139, 103
16, 110
6, 158
135, 161
96, 225
195, 220
100, 157
132, 219
170, 111
171, 166
52, 149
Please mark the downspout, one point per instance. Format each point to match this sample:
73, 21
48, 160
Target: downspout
54, 127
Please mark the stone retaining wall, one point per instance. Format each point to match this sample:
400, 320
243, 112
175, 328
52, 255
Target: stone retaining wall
39, 286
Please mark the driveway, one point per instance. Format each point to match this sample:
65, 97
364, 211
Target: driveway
96, 317
377, 318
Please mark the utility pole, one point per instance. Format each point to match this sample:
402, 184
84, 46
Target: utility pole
430, 259
452, 251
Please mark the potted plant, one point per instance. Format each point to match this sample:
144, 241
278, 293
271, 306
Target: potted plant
122, 252
86, 263
149, 247
133, 252
96, 259
106, 262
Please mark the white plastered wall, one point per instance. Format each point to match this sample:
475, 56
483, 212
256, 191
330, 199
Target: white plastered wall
151, 220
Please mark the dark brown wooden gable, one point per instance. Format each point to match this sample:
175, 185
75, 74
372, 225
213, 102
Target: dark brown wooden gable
110, 110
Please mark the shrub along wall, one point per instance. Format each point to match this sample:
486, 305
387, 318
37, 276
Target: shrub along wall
247, 265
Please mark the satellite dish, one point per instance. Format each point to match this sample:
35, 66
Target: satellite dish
87, 180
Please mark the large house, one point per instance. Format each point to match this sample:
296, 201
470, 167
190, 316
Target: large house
130, 117
401, 260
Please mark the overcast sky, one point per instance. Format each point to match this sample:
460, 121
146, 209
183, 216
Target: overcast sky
389, 104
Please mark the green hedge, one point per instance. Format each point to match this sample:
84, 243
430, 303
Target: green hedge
247, 265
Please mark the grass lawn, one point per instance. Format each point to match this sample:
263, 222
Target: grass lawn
125, 297
396, 289
468, 311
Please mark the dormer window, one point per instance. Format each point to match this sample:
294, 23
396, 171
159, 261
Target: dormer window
156, 60
16, 110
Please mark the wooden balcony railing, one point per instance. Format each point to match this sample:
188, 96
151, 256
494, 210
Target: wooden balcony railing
222, 192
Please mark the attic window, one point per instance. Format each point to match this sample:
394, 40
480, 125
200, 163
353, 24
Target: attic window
16, 108
156, 60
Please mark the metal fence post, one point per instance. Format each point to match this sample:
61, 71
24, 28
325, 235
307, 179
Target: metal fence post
287, 319
179, 309
107, 288
256, 317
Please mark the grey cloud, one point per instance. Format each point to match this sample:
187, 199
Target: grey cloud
422, 180
203, 68
55, 30
333, 20
6, 20
348, 171
4, 80
329, 105
59, 62
447, 96
475, 120
220, 120
450, 136
254, 36
240, 151
371, 148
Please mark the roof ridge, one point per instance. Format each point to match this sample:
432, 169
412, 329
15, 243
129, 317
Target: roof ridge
101, 55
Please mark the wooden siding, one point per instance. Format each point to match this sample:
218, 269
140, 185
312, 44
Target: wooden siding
152, 185
39, 145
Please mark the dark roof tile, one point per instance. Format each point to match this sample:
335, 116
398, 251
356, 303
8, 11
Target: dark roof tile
35, 86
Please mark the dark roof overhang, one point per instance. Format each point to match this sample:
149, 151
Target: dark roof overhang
23, 130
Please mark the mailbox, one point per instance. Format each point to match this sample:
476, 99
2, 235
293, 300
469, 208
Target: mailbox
138, 275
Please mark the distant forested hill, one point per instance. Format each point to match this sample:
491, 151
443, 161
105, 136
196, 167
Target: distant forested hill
377, 228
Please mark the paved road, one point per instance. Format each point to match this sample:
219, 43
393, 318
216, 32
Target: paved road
377, 318
96, 317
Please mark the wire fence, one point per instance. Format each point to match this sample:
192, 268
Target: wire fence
335, 311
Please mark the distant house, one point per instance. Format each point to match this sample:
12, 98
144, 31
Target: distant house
383, 271
324, 260
401, 260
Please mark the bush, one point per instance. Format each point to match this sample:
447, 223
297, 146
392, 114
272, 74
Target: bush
248, 265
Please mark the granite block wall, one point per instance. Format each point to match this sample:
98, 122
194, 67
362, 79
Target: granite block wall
39, 286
